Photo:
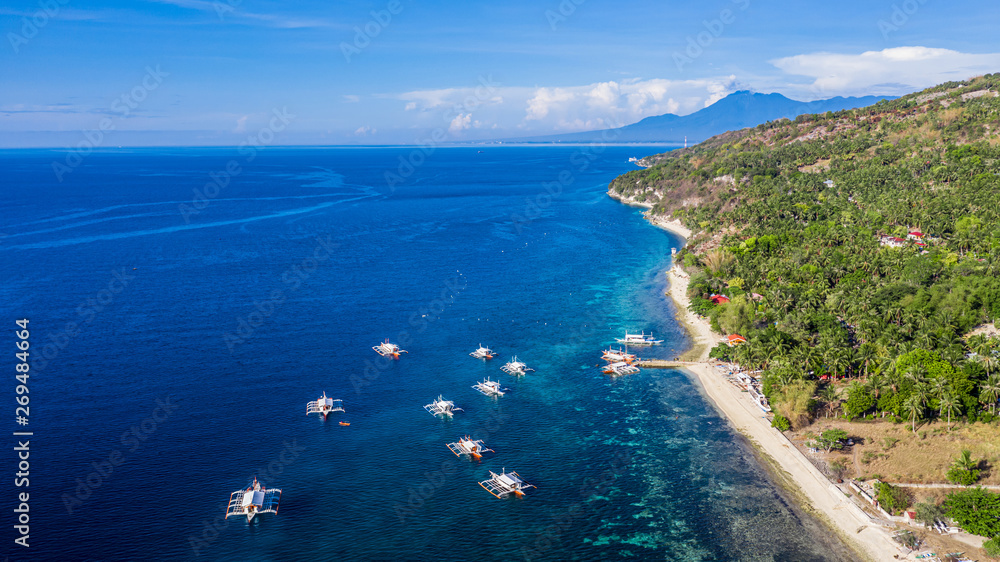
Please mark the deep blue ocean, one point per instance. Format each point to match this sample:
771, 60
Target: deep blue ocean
185, 304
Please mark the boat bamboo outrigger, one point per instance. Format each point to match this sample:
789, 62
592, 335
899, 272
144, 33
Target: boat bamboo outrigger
638, 339
616, 355
253, 500
506, 483
324, 406
515, 367
489, 388
620, 368
468, 446
442, 407
386, 349
483, 353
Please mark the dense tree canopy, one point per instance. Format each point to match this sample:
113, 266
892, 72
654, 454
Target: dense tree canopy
806, 227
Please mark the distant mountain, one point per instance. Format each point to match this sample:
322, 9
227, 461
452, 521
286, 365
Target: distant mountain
736, 111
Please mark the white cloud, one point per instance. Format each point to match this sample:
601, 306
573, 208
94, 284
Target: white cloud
613, 104
544, 98
460, 122
569, 108
364, 131
352, 98
893, 71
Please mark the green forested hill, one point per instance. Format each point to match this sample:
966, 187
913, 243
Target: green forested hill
792, 220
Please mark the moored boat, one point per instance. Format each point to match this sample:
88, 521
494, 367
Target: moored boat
504, 484
515, 367
638, 339
386, 349
489, 388
442, 407
253, 500
469, 446
483, 353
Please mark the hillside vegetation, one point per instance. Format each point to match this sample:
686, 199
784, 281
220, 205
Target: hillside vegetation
805, 225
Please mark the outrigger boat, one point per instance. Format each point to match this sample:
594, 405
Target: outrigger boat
515, 367
620, 368
442, 407
386, 349
324, 406
483, 353
506, 483
489, 388
468, 446
616, 355
253, 500
638, 339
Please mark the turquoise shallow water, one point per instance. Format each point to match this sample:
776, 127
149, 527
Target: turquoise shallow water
241, 302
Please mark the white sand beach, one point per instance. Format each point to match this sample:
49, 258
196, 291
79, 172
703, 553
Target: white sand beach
827, 501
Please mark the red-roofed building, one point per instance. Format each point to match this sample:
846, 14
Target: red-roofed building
735, 339
719, 299
893, 242
915, 235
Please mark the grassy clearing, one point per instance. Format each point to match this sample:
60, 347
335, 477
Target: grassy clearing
896, 454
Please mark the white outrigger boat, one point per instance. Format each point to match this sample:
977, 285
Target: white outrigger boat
616, 355
620, 368
506, 483
515, 367
386, 349
489, 388
483, 353
324, 406
469, 446
442, 407
253, 500
638, 339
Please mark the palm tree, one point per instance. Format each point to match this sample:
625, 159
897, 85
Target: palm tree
950, 405
989, 391
913, 407
964, 461
939, 387
917, 374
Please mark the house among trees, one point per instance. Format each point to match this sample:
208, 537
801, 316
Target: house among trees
915, 235
893, 241
719, 299
735, 339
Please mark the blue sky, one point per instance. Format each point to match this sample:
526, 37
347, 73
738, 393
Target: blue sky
198, 72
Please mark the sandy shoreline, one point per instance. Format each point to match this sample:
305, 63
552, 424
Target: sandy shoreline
824, 498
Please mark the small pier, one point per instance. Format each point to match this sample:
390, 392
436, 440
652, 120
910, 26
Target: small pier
663, 363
